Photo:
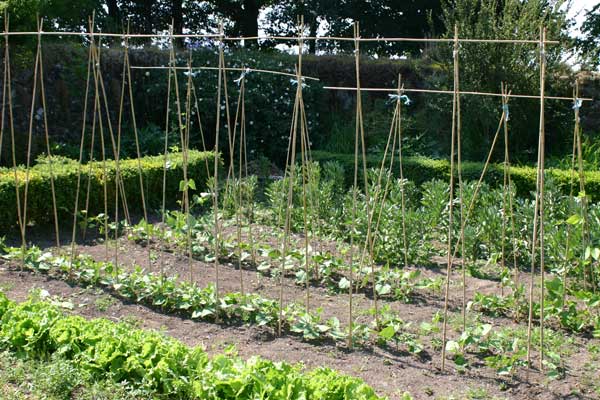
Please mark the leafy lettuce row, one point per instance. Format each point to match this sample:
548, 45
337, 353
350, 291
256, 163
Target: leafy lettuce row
160, 364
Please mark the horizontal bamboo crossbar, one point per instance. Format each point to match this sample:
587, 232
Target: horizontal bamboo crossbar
392, 39
119, 35
264, 71
282, 38
436, 91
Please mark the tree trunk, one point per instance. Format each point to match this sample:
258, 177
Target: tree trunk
177, 15
312, 44
248, 21
114, 15
148, 17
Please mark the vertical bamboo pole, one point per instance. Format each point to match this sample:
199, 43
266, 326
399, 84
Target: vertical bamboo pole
451, 203
238, 195
47, 136
93, 136
119, 181
290, 194
98, 108
203, 142
393, 136
137, 146
541, 168
361, 133
538, 225
507, 193
291, 177
460, 182
571, 200
28, 162
584, 200
7, 93
352, 230
401, 171
242, 173
314, 199
504, 189
185, 141
249, 193
81, 147
306, 176
306, 168
508, 184
165, 165
118, 146
119, 187
220, 77
182, 141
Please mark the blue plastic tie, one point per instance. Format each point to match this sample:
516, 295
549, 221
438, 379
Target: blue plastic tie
400, 97
295, 82
242, 76
506, 112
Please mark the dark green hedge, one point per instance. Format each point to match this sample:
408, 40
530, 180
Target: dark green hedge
423, 169
39, 203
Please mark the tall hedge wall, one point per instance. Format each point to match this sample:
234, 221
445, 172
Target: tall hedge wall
65, 171
422, 169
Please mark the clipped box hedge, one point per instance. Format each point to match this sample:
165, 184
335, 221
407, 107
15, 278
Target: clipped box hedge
39, 198
423, 169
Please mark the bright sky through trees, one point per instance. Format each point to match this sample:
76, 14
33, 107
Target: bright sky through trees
577, 11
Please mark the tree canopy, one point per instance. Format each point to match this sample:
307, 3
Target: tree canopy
589, 43
242, 18
377, 18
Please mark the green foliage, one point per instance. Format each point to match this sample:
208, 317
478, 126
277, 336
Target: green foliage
574, 311
58, 14
590, 154
504, 349
158, 364
269, 99
423, 169
589, 42
381, 18
65, 173
58, 379
321, 185
484, 66
392, 328
172, 296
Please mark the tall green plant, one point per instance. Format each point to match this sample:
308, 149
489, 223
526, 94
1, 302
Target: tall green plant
484, 66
